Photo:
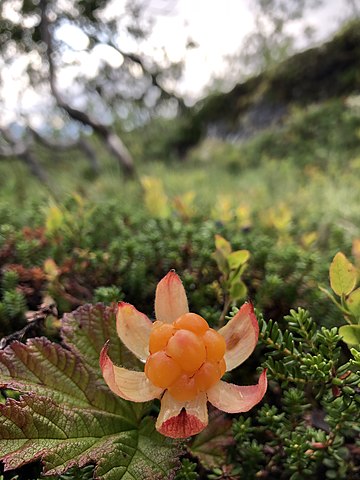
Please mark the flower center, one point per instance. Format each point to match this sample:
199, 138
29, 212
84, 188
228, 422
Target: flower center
186, 357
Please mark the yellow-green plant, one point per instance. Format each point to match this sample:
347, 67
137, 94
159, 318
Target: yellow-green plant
54, 218
184, 205
155, 198
232, 265
343, 281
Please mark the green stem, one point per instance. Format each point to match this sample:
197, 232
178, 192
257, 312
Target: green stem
224, 310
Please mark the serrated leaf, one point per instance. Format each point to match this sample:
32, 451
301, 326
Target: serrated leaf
350, 334
45, 368
155, 457
353, 302
67, 416
211, 445
343, 275
238, 258
88, 328
36, 428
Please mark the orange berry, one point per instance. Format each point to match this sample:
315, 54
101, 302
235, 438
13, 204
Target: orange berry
215, 345
207, 375
184, 389
160, 335
192, 322
187, 349
162, 370
222, 367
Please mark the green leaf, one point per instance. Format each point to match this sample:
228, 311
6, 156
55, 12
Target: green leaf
353, 302
88, 328
238, 258
238, 290
222, 245
212, 444
152, 456
67, 415
350, 334
223, 249
235, 275
35, 428
343, 275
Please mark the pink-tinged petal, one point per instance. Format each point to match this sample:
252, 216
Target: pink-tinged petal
133, 328
127, 384
241, 335
170, 299
235, 399
182, 419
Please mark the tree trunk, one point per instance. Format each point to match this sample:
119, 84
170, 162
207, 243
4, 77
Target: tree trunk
35, 168
90, 153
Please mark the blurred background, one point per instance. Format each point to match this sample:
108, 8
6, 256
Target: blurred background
132, 132
100, 88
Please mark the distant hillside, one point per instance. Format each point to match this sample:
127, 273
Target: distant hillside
317, 74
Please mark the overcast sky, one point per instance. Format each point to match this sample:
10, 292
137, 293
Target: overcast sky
217, 27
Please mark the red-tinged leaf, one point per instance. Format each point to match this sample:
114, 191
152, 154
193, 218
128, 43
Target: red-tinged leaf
212, 444
45, 368
35, 428
88, 328
67, 415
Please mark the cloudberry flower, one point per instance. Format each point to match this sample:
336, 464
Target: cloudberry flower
184, 360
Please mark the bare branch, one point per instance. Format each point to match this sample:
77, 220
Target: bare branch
12, 148
50, 144
153, 75
120, 151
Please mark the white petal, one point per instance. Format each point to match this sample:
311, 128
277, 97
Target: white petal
133, 328
127, 384
170, 299
235, 399
241, 335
